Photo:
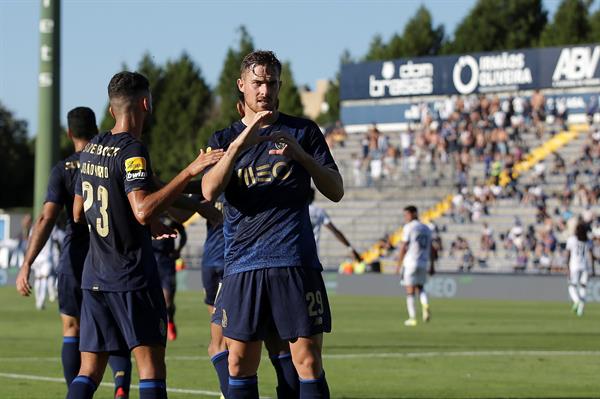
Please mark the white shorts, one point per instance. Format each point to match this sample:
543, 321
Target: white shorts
578, 276
412, 276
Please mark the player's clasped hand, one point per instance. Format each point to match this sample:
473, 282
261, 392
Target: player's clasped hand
204, 160
161, 231
249, 136
23, 286
286, 145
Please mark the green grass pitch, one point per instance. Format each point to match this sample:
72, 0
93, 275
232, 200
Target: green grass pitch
471, 349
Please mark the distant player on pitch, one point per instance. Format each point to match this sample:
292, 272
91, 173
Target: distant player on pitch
413, 261
579, 261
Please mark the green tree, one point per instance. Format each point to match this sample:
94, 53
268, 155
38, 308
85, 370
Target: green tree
226, 90
594, 34
420, 37
16, 162
499, 25
289, 97
184, 106
570, 24
377, 49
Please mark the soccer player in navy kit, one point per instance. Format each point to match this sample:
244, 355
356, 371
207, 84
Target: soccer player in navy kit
123, 307
272, 275
166, 254
61, 190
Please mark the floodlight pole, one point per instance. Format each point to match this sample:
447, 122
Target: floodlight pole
46, 143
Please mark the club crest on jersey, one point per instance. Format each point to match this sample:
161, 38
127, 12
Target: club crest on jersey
135, 168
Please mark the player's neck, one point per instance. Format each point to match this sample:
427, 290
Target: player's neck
79, 145
128, 123
249, 116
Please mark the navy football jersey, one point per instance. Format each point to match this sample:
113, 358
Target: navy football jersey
266, 213
120, 257
214, 245
61, 191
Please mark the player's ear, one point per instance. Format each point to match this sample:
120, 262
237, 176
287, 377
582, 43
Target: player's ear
147, 103
69, 134
240, 84
110, 110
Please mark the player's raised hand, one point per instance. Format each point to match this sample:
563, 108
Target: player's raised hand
286, 145
204, 160
161, 231
249, 136
23, 286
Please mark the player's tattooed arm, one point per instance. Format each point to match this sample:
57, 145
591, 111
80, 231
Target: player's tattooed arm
204, 208
40, 233
216, 179
147, 206
327, 180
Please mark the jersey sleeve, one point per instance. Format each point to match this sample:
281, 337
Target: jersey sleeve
317, 147
56, 192
136, 172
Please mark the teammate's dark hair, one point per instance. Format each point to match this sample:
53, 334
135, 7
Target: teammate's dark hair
128, 86
411, 209
581, 231
82, 123
260, 57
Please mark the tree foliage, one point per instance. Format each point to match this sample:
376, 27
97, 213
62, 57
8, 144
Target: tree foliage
226, 91
16, 162
570, 25
183, 107
499, 25
289, 97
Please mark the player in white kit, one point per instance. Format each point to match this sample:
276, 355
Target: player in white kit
413, 261
579, 262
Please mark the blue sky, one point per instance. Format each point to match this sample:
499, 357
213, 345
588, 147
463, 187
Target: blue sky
98, 36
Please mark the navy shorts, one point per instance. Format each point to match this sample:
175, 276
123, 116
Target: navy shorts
69, 295
118, 321
291, 300
211, 277
166, 273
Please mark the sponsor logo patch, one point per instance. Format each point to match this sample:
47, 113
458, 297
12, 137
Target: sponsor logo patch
135, 168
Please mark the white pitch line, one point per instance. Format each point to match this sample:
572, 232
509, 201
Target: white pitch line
365, 355
105, 384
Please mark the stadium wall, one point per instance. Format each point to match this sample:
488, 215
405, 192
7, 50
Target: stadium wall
387, 92
442, 285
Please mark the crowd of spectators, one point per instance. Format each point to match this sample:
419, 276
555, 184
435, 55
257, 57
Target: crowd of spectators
457, 131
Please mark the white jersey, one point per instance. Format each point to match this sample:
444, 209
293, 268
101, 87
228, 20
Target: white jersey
318, 218
579, 251
418, 237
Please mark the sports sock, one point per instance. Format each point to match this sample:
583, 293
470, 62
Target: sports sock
573, 293
423, 298
153, 389
82, 387
221, 365
314, 389
582, 292
71, 358
287, 377
120, 363
410, 306
243, 388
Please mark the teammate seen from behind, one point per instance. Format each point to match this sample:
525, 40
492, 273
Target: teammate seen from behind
272, 277
123, 306
414, 258
579, 262
61, 191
